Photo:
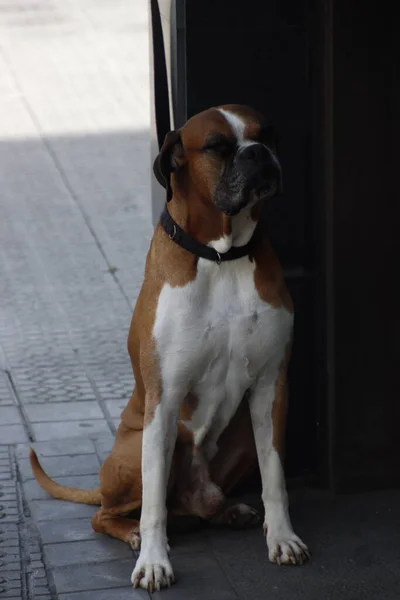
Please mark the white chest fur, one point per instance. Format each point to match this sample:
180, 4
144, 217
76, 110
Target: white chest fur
215, 337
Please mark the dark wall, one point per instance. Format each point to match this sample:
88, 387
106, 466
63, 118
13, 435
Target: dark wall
324, 73
257, 53
365, 244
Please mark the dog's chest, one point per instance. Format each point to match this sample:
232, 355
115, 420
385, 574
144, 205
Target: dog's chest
215, 336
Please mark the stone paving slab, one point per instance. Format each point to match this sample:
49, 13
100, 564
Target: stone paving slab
49, 510
61, 466
77, 578
21, 565
200, 576
70, 530
59, 429
6, 395
10, 415
64, 447
108, 594
12, 434
66, 411
86, 552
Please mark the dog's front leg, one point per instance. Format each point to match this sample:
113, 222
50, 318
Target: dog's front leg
268, 412
153, 569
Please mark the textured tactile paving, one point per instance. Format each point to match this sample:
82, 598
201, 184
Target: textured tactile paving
22, 571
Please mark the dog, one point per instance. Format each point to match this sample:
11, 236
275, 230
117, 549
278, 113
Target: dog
209, 343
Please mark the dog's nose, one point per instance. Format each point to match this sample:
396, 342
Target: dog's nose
256, 153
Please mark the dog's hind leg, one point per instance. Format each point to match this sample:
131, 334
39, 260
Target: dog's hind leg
234, 463
121, 488
118, 527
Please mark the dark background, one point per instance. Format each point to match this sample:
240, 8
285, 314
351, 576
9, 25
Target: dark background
325, 75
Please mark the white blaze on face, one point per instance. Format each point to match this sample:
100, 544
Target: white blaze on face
238, 126
242, 224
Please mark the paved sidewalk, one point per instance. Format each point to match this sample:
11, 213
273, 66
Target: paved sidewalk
75, 226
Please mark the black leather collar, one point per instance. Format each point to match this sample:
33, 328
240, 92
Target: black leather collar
183, 239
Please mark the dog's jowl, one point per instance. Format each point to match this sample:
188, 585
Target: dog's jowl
209, 343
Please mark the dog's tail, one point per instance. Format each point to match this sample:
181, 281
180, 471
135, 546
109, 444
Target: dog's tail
59, 491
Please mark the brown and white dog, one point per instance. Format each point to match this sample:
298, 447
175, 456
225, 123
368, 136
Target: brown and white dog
209, 343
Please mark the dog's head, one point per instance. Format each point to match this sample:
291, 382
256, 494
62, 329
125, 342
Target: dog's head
227, 153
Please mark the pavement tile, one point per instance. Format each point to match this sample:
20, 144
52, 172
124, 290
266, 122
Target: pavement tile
12, 594
101, 549
52, 376
7, 496
198, 576
79, 578
62, 466
188, 543
12, 434
9, 415
86, 482
68, 530
60, 411
57, 448
56, 430
6, 394
126, 593
53, 510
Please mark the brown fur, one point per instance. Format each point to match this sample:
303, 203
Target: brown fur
194, 487
280, 406
268, 277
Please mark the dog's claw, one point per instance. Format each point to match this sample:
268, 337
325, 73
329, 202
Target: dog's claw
287, 549
307, 553
152, 575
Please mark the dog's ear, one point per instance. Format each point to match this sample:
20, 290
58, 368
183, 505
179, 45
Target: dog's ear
170, 158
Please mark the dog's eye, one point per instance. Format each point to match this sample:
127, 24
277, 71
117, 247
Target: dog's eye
219, 147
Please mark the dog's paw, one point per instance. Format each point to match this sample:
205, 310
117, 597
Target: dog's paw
152, 573
286, 549
134, 540
238, 516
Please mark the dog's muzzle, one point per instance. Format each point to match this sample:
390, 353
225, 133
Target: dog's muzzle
255, 172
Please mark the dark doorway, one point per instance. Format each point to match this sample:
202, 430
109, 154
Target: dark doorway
257, 53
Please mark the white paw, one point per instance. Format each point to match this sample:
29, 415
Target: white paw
152, 571
286, 548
